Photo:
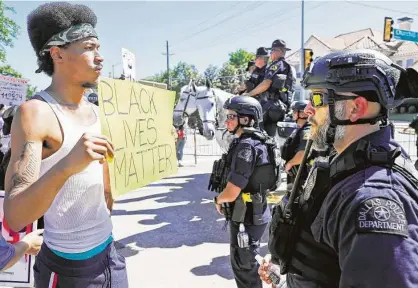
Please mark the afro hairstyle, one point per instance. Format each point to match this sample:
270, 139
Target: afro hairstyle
50, 19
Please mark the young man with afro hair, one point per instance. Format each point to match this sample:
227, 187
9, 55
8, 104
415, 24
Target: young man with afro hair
59, 155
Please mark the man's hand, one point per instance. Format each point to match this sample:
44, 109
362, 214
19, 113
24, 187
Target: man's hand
219, 208
89, 148
288, 167
263, 270
33, 241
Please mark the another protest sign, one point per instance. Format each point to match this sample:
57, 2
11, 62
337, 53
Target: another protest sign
12, 90
20, 274
138, 119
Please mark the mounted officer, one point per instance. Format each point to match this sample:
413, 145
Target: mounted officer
242, 177
279, 82
257, 76
258, 70
358, 214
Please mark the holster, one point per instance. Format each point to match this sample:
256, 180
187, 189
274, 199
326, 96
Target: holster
287, 149
258, 205
250, 85
284, 232
278, 82
240, 208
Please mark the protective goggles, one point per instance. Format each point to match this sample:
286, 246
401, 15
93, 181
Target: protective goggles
321, 99
231, 116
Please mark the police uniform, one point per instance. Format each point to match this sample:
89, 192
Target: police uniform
359, 209
249, 170
295, 143
258, 74
251, 166
283, 77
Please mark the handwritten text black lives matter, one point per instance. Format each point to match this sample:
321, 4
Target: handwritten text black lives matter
138, 153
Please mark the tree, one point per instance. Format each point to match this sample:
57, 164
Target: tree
240, 58
9, 31
180, 76
228, 78
211, 72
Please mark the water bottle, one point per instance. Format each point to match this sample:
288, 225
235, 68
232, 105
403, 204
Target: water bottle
242, 237
274, 271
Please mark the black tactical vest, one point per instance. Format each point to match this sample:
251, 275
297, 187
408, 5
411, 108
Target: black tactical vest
317, 261
287, 150
276, 91
256, 78
264, 176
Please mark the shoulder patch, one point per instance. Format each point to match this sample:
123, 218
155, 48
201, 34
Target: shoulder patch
381, 215
273, 67
245, 154
306, 136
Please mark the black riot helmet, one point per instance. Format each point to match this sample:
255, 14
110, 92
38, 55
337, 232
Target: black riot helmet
367, 73
245, 106
299, 105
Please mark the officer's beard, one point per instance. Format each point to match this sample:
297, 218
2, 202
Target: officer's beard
320, 137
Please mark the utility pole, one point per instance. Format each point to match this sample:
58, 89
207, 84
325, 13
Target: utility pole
167, 53
302, 46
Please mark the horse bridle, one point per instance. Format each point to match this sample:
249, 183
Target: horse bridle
191, 93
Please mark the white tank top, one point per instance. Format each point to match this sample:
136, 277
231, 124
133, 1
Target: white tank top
78, 219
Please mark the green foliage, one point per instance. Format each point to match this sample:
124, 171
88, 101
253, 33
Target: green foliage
240, 58
9, 31
228, 77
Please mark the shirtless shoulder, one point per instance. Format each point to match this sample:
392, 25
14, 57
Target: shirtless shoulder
37, 120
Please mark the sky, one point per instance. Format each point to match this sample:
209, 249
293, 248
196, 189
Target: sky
204, 32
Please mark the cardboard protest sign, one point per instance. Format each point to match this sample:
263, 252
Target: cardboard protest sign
13, 91
138, 119
20, 274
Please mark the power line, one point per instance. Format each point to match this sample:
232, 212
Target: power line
381, 8
247, 8
248, 33
213, 17
236, 32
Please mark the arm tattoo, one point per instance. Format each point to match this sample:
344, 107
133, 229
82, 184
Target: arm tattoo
27, 168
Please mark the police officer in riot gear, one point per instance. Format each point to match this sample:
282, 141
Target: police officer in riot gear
358, 215
292, 150
251, 173
279, 82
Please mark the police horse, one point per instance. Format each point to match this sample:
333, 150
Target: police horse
209, 102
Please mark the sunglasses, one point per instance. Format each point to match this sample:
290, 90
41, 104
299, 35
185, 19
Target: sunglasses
321, 99
231, 116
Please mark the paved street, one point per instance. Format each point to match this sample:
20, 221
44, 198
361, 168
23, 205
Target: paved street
172, 233
172, 236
